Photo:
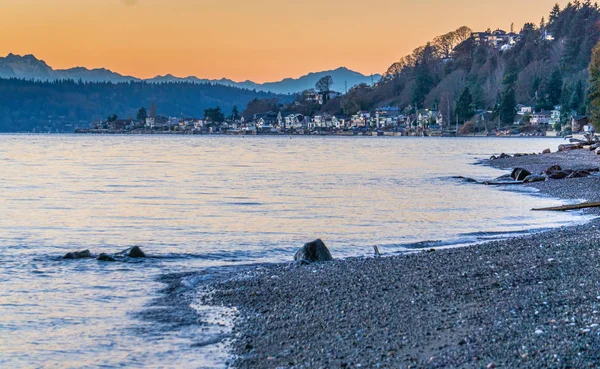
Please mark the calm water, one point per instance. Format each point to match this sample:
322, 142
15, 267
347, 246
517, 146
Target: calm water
193, 202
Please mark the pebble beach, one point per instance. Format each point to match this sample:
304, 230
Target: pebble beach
527, 302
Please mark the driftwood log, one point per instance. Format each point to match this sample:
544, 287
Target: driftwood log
585, 205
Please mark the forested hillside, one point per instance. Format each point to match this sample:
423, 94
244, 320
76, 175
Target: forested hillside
63, 105
545, 67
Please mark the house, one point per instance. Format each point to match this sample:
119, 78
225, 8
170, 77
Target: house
541, 118
547, 36
149, 122
554, 116
498, 39
198, 124
327, 96
156, 122
578, 122
120, 124
524, 109
293, 121
270, 117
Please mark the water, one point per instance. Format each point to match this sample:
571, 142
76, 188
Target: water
195, 202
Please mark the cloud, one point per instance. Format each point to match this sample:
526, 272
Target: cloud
129, 2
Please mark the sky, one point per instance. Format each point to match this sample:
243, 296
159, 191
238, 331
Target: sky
259, 40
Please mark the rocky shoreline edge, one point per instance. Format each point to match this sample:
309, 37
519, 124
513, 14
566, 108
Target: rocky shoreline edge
527, 302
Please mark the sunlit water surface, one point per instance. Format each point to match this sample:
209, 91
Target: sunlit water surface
194, 202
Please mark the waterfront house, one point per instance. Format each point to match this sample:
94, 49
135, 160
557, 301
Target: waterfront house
578, 122
120, 124
554, 116
540, 118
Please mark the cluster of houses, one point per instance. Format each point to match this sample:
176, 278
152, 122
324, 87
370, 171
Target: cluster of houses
544, 119
502, 40
386, 119
389, 119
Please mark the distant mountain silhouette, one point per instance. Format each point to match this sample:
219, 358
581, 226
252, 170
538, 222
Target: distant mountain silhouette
29, 67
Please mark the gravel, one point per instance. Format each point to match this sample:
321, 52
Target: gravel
528, 302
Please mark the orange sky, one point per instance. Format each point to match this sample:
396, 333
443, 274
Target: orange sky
261, 40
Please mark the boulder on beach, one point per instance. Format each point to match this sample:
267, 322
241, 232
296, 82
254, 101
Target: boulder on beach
105, 257
133, 252
552, 169
519, 174
579, 174
78, 255
312, 252
547, 151
560, 174
501, 156
534, 178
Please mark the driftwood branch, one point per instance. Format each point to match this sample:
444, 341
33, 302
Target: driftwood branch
502, 183
584, 205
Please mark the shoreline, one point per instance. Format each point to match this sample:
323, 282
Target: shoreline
530, 301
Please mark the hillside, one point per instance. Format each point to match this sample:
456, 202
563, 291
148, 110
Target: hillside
543, 65
29, 67
63, 105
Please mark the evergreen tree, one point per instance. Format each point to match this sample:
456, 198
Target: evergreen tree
554, 13
511, 73
508, 106
576, 101
423, 84
464, 106
594, 90
142, 114
554, 87
235, 114
214, 115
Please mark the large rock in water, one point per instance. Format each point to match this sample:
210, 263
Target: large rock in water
78, 255
105, 257
312, 252
134, 252
519, 174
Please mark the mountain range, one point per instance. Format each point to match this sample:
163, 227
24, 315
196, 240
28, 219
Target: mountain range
31, 68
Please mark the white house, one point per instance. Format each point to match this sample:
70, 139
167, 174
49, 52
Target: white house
539, 118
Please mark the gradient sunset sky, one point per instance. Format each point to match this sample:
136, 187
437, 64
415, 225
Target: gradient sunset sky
261, 40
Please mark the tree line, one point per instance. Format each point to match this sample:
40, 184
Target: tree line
63, 105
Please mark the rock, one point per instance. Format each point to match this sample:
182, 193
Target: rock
552, 169
560, 174
547, 151
519, 174
579, 174
598, 152
105, 257
466, 179
534, 178
312, 252
504, 178
134, 252
78, 255
501, 156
